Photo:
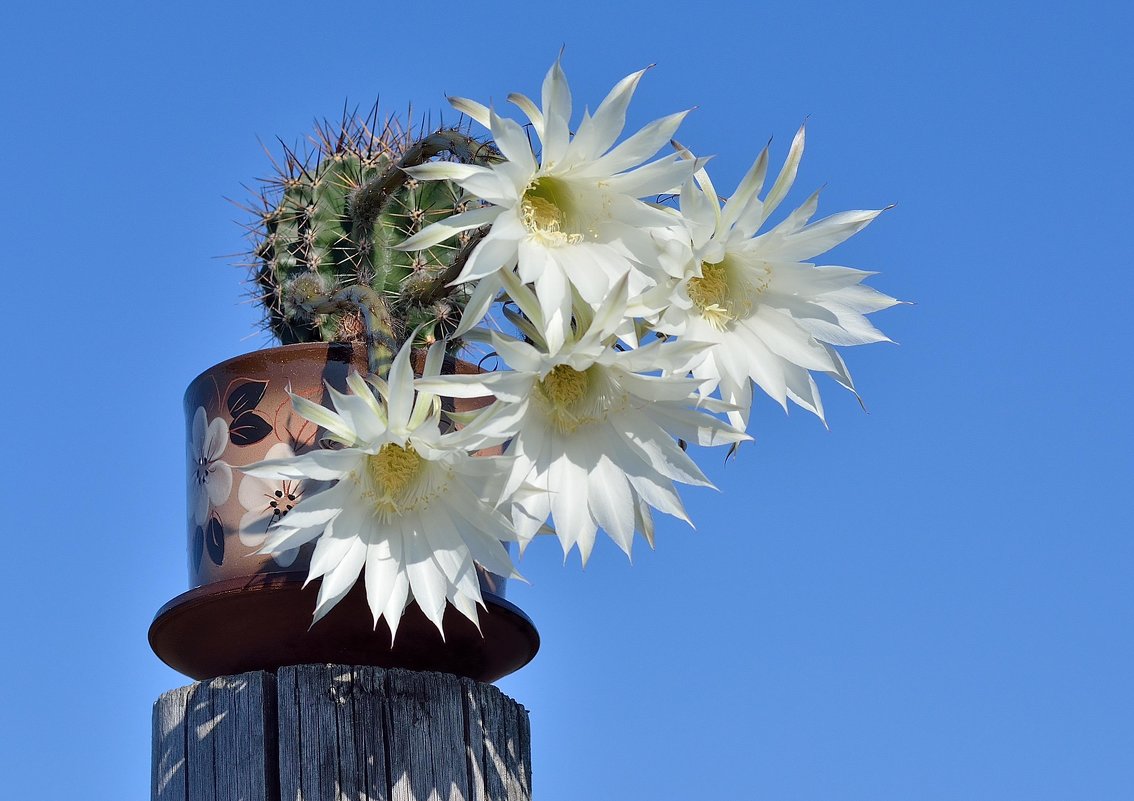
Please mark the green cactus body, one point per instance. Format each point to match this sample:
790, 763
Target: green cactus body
327, 233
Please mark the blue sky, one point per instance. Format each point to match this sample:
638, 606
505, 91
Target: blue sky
932, 600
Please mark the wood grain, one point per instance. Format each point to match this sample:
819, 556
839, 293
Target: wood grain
340, 733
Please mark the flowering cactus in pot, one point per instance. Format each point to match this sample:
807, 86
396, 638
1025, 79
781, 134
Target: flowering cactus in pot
630, 306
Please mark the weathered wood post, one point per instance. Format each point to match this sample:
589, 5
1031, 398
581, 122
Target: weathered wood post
340, 733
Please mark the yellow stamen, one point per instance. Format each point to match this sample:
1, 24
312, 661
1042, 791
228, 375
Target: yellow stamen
565, 386
724, 292
392, 470
564, 394
711, 289
544, 210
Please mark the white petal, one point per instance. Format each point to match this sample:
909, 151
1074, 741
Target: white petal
216, 439
787, 174
219, 484
427, 582
336, 584
197, 434
513, 143
449, 227
496, 251
382, 572
530, 109
570, 508
822, 235
471, 109
556, 114
747, 192
637, 148
321, 465
656, 448
612, 502
319, 508
360, 388
786, 338
400, 404
656, 178
596, 134
358, 414
322, 417
480, 301
445, 171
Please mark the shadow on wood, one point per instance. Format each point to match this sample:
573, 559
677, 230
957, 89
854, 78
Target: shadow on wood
331, 733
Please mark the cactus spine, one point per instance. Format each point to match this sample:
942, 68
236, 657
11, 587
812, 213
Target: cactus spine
324, 261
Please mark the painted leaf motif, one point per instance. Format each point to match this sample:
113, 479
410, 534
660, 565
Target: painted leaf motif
245, 397
197, 549
214, 540
248, 428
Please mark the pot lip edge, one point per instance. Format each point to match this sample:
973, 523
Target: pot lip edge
294, 348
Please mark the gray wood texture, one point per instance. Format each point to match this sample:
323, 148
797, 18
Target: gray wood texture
339, 733
215, 741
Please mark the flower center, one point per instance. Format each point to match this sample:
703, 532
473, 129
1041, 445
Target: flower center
574, 398
565, 386
393, 469
399, 482
283, 500
202, 467
545, 210
711, 289
726, 292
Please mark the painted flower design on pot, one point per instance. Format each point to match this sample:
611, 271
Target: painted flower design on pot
266, 501
210, 479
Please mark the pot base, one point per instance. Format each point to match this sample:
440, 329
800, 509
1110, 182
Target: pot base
264, 622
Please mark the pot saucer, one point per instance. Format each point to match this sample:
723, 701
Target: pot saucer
263, 622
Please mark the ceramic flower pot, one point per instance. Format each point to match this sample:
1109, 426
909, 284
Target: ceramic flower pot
250, 611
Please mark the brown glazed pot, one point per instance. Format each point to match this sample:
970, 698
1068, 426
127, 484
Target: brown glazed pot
248, 611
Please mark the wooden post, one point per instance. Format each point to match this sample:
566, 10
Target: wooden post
335, 733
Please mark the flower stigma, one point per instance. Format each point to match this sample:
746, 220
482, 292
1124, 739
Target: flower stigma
544, 209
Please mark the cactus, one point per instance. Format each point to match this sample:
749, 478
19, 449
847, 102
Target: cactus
324, 262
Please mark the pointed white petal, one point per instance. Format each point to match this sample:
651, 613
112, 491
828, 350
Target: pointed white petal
747, 192
556, 114
513, 143
596, 134
324, 418
787, 174
471, 109
441, 230
531, 111
637, 148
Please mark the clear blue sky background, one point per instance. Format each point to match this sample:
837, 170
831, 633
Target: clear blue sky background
929, 601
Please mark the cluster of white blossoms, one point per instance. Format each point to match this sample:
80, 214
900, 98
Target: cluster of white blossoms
637, 326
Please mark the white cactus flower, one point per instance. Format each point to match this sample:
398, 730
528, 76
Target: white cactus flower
409, 505
593, 432
772, 317
572, 218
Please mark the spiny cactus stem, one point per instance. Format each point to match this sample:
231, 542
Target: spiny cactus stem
369, 199
381, 343
439, 288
